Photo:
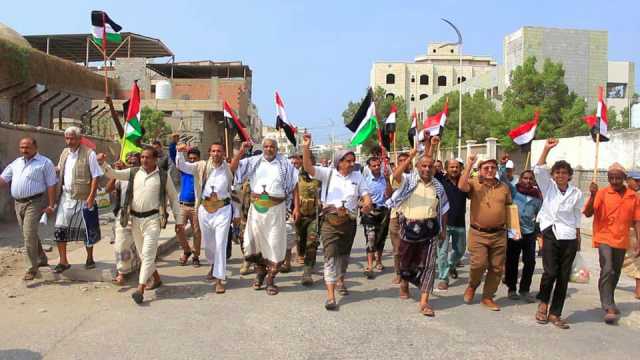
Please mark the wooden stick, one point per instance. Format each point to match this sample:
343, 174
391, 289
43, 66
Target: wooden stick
226, 139
595, 167
395, 150
526, 162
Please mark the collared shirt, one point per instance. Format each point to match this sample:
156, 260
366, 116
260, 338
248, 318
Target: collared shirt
457, 201
377, 188
219, 182
146, 187
267, 178
94, 167
613, 214
337, 188
422, 203
488, 203
187, 192
561, 211
528, 206
29, 177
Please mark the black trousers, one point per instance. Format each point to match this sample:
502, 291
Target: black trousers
611, 260
526, 246
557, 260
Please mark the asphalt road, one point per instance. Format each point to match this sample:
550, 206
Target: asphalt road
185, 319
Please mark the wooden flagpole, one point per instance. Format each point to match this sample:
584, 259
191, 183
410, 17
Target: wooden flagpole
526, 162
104, 54
595, 166
395, 150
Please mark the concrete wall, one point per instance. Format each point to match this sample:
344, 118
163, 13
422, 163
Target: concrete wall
50, 144
579, 151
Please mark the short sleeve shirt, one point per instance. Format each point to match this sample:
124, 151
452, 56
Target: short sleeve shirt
488, 203
337, 188
613, 216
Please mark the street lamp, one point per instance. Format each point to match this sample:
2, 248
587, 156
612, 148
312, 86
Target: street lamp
459, 83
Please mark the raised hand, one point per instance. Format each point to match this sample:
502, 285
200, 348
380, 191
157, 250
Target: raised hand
471, 159
306, 140
246, 145
551, 143
182, 147
101, 157
435, 140
593, 188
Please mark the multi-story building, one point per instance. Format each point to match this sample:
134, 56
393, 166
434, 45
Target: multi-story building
620, 85
428, 74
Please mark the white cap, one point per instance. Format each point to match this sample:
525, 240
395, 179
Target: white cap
509, 164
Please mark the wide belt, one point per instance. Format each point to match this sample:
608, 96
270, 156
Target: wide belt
491, 230
187, 203
265, 201
144, 214
27, 199
213, 205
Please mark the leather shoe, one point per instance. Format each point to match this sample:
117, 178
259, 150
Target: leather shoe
469, 294
490, 304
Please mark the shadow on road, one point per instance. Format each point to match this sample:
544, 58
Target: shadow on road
19, 354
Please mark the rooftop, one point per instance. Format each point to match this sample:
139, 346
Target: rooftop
202, 69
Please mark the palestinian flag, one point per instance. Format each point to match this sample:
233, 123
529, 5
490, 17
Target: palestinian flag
104, 29
232, 119
413, 130
598, 122
524, 133
283, 123
364, 123
435, 123
132, 127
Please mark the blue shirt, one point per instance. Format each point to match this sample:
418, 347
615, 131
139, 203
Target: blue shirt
377, 187
187, 191
29, 177
528, 206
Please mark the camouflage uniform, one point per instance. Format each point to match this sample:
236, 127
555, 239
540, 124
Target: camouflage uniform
307, 224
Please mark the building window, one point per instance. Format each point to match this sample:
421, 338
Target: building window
434, 51
424, 79
452, 51
413, 98
153, 89
413, 78
390, 96
391, 79
442, 80
463, 79
423, 96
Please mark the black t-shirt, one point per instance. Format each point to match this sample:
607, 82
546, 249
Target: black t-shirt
457, 201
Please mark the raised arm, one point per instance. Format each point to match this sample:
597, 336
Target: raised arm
181, 163
172, 194
431, 143
401, 168
548, 145
463, 183
235, 161
109, 171
307, 164
589, 207
114, 116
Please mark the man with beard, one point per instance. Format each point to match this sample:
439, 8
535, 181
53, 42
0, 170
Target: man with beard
394, 226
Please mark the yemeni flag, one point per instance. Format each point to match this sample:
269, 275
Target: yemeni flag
598, 122
413, 130
435, 123
524, 133
104, 29
282, 122
364, 123
235, 123
132, 126
389, 132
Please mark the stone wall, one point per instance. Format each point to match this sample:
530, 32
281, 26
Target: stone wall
50, 144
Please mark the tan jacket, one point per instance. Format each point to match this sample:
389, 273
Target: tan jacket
200, 176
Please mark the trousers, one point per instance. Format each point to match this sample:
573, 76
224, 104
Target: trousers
526, 246
306, 228
335, 268
446, 260
487, 252
611, 260
215, 233
127, 259
145, 232
28, 215
557, 260
189, 215
376, 228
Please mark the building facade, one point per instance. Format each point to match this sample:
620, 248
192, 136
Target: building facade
428, 74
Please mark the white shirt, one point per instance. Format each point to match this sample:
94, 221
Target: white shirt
348, 188
267, 173
562, 212
217, 178
94, 167
29, 177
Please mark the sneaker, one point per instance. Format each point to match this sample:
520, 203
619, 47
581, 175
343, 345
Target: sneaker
513, 295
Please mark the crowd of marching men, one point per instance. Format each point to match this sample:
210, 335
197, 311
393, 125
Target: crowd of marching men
275, 206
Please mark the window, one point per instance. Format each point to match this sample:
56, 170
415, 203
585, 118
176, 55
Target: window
391, 79
423, 96
452, 51
463, 79
442, 80
616, 90
413, 98
434, 51
424, 79
390, 96
413, 79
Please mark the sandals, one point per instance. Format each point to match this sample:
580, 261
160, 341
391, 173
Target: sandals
342, 290
379, 267
272, 290
427, 310
29, 275
258, 281
195, 261
184, 258
58, 269
220, 288
541, 316
118, 280
330, 305
155, 285
404, 291
137, 297
368, 273
558, 322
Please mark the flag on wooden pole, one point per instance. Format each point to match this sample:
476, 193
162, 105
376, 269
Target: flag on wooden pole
598, 123
104, 29
524, 133
282, 122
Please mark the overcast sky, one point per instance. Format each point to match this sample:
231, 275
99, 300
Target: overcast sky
318, 54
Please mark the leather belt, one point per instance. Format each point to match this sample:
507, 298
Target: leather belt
27, 199
491, 230
185, 203
213, 205
144, 214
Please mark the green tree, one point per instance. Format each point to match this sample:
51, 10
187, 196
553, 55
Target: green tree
479, 117
383, 108
154, 125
